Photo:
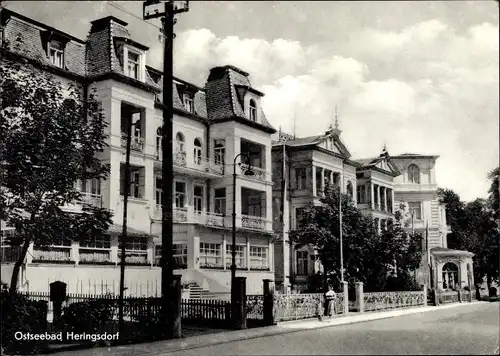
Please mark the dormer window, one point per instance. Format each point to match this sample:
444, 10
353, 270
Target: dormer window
56, 53
133, 65
189, 102
252, 110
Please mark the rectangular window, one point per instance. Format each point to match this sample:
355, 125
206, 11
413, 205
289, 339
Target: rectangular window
220, 201
301, 176
210, 255
136, 250
133, 64
239, 254
302, 262
198, 198
158, 191
56, 54
189, 102
179, 252
319, 182
99, 242
219, 151
180, 195
259, 257
136, 181
361, 192
415, 209
299, 217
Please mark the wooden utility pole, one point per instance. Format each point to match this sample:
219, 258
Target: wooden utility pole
167, 261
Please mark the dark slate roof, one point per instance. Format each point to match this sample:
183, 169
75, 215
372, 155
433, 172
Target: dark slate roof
102, 54
223, 101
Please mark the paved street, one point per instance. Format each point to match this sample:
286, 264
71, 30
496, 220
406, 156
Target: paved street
469, 329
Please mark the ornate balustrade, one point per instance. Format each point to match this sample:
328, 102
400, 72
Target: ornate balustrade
392, 300
253, 222
447, 296
296, 306
258, 173
180, 159
92, 199
136, 143
199, 164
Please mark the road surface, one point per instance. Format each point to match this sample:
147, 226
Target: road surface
469, 329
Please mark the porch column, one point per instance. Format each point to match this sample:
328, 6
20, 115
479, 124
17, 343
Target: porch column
379, 205
271, 256
392, 200
322, 181
224, 257
193, 252
114, 249
29, 255
372, 193
385, 200
248, 253
151, 251
314, 180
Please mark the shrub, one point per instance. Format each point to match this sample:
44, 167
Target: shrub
19, 314
88, 317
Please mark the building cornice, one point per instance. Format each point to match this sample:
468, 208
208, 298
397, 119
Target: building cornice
245, 121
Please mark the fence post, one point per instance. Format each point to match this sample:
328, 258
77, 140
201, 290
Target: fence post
268, 302
470, 294
176, 310
459, 296
360, 299
345, 289
238, 312
425, 294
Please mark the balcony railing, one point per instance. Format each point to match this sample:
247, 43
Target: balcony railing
136, 143
92, 199
186, 215
94, 256
135, 258
54, 253
200, 164
258, 173
253, 222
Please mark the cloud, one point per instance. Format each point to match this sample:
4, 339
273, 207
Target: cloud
425, 88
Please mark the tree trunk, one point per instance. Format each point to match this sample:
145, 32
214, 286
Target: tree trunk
478, 292
17, 267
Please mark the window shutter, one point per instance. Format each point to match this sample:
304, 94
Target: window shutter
142, 182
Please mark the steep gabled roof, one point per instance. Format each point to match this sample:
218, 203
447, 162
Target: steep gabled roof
381, 163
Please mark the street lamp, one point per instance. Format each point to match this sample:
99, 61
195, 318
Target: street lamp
246, 172
126, 192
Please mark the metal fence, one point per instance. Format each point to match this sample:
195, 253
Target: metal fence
392, 300
297, 306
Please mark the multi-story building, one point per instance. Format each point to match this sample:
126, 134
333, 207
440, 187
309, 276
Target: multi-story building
375, 188
212, 126
307, 165
417, 189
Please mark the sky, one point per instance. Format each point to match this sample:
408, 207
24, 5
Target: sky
419, 77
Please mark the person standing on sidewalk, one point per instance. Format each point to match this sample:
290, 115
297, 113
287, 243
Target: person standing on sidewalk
330, 297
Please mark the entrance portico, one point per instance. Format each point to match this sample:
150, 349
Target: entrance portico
453, 269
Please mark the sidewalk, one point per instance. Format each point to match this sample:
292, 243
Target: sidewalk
162, 347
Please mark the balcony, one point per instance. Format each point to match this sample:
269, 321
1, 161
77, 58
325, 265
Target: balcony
413, 187
186, 215
202, 167
253, 222
259, 174
136, 143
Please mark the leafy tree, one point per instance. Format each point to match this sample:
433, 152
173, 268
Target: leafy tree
494, 197
368, 255
474, 229
48, 141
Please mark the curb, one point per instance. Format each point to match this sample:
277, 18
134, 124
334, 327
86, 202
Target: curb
194, 342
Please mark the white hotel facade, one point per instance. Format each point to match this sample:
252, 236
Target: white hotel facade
212, 125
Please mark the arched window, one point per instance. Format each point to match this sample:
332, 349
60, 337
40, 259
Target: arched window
252, 110
197, 151
413, 174
450, 275
349, 189
179, 142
